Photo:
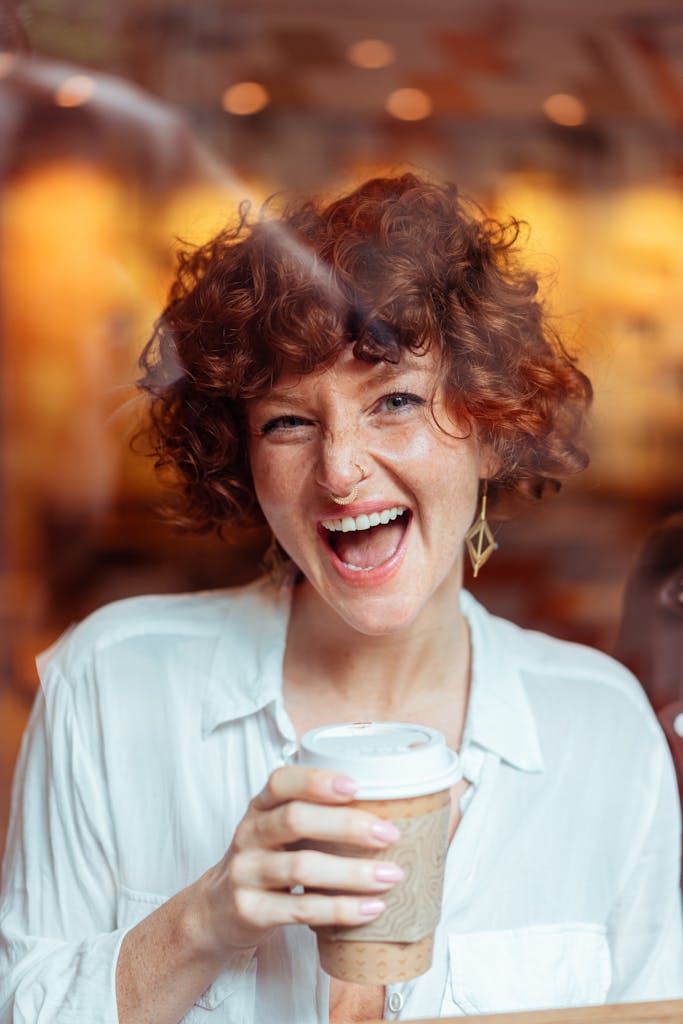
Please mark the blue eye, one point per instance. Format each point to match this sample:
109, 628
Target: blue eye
282, 423
401, 400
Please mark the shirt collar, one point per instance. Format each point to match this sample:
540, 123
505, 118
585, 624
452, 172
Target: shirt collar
250, 653
499, 716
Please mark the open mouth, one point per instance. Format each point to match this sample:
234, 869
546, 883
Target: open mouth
368, 541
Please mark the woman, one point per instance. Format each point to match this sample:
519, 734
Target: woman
364, 376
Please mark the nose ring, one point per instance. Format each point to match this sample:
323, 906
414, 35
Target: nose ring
347, 499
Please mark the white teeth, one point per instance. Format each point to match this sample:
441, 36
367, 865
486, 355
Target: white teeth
364, 522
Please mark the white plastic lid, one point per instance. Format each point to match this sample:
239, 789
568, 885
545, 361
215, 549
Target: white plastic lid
389, 760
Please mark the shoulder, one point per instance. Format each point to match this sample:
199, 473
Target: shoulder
567, 677
599, 738
167, 627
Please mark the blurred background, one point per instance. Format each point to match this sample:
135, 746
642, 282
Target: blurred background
126, 127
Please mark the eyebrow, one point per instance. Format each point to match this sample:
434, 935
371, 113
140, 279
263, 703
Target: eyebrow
282, 398
385, 373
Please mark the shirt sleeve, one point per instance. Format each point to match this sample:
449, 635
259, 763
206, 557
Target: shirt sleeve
645, 928
58, 941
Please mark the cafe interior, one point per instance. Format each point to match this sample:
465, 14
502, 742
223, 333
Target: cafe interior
132, 129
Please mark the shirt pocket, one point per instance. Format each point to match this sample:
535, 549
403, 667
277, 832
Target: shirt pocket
238, 980
534, 968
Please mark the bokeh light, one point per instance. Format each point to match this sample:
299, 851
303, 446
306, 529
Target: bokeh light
7, 62
371, 53
245, 98
409, 104
565, 109
74, 91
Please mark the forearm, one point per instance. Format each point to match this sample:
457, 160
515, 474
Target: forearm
169, 959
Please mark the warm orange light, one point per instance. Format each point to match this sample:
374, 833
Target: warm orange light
245, 98
371, 53
565, 109
409, 104
74, 91
7, 62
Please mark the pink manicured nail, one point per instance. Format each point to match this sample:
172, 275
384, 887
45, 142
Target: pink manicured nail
371, 908
343, 785
386, 831
388, 873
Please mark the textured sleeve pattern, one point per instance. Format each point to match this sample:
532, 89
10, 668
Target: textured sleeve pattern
58, 942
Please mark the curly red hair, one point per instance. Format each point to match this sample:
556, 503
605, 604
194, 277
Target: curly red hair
398, 263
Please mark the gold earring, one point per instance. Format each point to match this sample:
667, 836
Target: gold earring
479, 539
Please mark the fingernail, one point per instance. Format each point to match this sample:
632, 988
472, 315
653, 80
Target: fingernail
388, 873
371, 908
343, 785
386, 831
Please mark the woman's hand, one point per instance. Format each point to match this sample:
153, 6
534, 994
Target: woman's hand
249, 891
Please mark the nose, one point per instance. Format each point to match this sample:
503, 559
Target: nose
340, 465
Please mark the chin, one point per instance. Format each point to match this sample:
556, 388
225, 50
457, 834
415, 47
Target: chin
381, 616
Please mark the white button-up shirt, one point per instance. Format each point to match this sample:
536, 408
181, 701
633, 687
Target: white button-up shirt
161, 717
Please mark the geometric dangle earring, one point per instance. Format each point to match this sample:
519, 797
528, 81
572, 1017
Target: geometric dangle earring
479, 539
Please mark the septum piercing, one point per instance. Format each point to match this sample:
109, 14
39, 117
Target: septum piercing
347, 499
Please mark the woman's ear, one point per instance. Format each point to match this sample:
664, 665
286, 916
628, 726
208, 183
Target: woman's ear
490, 464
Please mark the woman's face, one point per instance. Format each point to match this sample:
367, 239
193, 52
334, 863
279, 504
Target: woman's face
369, 426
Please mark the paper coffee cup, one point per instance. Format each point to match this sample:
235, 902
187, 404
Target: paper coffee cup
404, 774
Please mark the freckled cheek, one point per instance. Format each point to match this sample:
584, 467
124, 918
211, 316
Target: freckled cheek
432, 456
268, 469
267, 486
409, 440
275, 483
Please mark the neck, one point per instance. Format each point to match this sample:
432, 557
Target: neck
331, 666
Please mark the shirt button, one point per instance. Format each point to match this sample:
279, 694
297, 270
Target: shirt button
678, 724
288, 751
395, 1002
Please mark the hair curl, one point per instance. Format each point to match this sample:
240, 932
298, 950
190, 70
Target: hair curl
399, 263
